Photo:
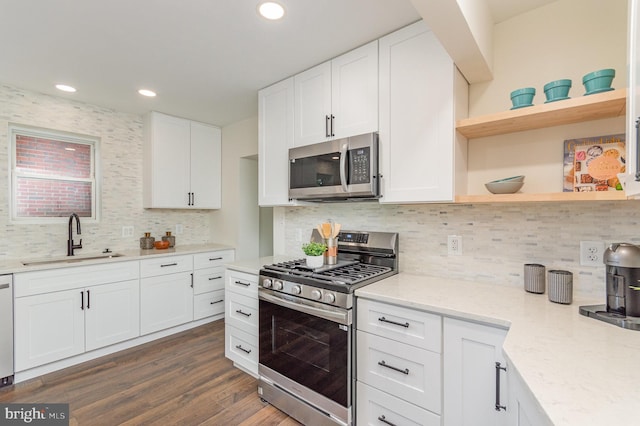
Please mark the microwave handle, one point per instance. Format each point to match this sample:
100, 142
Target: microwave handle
343, 166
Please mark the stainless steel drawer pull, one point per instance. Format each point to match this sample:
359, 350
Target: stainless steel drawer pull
4, 286
383, 319
239, 311
217, 301
399, 370
243, 349
385, 421
215, 258
243, 283
168, 264
214, 278
498, 368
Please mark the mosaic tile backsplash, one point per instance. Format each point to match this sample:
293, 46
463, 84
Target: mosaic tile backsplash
121, 137
497, 239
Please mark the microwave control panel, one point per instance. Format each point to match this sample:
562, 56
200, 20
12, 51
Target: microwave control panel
359, 170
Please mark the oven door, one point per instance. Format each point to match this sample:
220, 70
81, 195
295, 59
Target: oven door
307, 343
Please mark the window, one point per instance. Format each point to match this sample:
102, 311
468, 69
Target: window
53, 175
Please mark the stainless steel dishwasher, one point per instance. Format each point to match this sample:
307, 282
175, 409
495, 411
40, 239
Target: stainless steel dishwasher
6, 330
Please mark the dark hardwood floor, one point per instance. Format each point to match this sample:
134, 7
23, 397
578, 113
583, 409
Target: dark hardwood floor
182, 379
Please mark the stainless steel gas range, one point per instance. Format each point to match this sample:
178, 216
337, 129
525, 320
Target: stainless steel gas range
306, 328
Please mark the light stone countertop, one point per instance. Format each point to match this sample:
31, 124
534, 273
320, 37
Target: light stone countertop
16, 266
582, 371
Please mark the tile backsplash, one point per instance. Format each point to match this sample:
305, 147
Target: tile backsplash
497, 239
121, 137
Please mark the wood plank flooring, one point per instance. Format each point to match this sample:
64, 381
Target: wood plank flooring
182, 379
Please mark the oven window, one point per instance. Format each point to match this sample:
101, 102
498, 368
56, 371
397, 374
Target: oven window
306, 349
319, 170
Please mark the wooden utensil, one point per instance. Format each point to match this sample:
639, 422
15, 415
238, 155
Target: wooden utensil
326, 230
336, 230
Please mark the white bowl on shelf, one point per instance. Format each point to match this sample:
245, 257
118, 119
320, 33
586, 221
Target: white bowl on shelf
504, 187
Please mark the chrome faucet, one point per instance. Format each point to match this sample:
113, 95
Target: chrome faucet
70, 245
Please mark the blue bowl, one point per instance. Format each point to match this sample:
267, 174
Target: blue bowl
522, 97
557, 90
598, 81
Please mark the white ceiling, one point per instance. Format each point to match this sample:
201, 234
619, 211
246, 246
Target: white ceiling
206, 59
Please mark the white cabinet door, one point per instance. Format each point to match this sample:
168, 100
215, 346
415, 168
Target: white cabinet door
48, 327
416, 117
632, 187
275, 137
167, 161
112, 313
312, 114
470, 354
354, 92
206, 152
165, 301
523, 408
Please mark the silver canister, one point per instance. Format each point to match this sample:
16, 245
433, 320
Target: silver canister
147, 241
560, 286
534, 278
331, 254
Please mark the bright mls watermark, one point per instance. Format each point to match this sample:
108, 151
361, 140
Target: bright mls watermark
34, 414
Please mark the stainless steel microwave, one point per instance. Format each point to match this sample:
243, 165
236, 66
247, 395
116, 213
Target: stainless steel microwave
336, 170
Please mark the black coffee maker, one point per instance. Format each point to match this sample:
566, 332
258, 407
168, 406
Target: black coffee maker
622, 262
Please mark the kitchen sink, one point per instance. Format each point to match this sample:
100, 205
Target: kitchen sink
71, 259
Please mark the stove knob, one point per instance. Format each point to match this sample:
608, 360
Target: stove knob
266, 283
316, 294
296, 289
277, 285
329, 298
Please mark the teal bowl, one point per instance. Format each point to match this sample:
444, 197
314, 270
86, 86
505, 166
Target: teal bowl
557, 90
598, 81
522, 97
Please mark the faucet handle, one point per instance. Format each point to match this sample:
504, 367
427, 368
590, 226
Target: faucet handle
79, 244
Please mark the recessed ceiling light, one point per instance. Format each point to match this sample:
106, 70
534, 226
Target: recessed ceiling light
65, 88
271, 10
148, 93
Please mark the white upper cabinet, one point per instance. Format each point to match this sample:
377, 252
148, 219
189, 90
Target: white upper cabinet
417, 117
632, 187
338, 98
182, 163
275, 137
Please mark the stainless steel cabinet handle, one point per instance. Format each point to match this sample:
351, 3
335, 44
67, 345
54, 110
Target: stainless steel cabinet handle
399, 370
239, 311
243, 283
168, 264
326, 126
332, 118
3, 286
638, 149
217, 301
214, 278
243, 349
498, 368
383, 319
383, 419
211, 259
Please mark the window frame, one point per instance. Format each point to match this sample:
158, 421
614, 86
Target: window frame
92, 141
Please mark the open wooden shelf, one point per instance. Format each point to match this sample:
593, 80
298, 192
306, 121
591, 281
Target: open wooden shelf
543, 197
574, 110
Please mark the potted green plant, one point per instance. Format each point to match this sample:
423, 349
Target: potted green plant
314, 253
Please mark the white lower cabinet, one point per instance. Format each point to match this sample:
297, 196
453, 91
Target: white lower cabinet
523, 408
50, 326
398, 362
471, 352
208, 283
241, 320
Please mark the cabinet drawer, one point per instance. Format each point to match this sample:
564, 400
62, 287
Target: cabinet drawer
166, 265
50, 280
405, 325
242, 283
375, 407
212, 258
410, 373
206, 280
241, 348
242, 312
208, 304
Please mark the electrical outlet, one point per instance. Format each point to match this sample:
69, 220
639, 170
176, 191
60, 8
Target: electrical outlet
127, 231
454, 245
591, 253
179, 229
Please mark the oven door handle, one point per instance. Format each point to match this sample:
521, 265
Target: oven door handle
339, 317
